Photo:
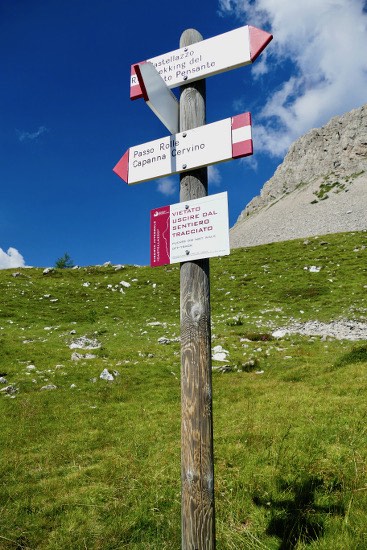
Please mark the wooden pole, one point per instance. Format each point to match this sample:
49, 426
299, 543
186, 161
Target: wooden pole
197, 463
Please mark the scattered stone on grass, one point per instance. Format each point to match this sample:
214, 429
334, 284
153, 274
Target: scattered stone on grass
165, 340
31, 367
280, 333
9, 390
77, 356
313, 269
342, 329
85, 343
106, 375
219, 354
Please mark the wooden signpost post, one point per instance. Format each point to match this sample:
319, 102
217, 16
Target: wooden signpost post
197, 458
198, 145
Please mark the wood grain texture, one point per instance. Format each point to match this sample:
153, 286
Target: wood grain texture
197, 468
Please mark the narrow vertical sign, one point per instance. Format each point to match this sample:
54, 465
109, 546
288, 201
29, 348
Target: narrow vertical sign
160, 242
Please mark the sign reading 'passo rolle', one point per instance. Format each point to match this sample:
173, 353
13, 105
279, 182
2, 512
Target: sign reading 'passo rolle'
217, 142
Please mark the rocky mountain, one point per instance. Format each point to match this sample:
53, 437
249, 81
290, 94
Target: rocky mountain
321, 187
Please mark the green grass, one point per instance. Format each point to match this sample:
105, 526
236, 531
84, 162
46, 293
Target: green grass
97, 465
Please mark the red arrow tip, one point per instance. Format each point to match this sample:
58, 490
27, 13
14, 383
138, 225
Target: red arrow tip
122, 167
258, 41
141, 82
135, 89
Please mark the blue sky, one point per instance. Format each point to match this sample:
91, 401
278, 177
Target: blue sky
66, 117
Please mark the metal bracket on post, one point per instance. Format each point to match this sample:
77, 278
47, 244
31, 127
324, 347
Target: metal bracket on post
158, 96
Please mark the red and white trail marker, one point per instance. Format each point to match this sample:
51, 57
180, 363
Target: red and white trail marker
158, 96
206, 58
210, 144
189, 230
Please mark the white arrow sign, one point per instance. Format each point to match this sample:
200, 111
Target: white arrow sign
217, 142
206, 58
158, 96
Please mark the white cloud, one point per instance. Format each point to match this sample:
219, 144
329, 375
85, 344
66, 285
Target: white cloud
326, 44
31, 136
214, 176
167, 186
11, 258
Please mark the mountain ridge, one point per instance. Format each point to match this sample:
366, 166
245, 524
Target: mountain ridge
319, 188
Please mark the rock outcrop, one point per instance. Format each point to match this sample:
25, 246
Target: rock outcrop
319, 188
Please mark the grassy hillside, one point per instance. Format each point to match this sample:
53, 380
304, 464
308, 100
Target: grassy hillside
93, 464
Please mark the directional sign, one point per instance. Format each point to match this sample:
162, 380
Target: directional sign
206, 58
189, 230
210, 144
158, 96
